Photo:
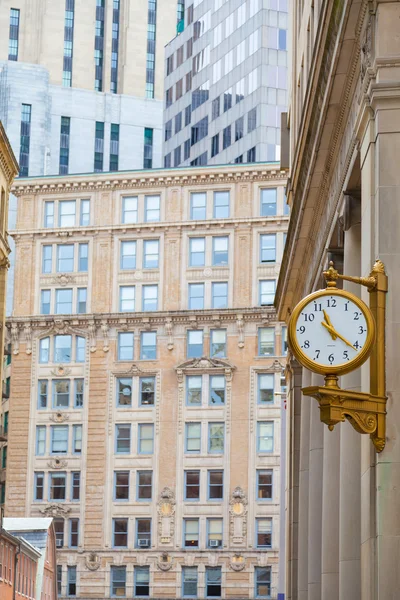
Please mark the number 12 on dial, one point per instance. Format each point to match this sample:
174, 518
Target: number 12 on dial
331, 332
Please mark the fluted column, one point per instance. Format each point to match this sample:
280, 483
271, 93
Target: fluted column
302, 580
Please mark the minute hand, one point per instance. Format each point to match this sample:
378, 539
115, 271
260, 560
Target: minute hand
333, 330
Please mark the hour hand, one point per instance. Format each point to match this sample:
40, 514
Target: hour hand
329, 327
335, 335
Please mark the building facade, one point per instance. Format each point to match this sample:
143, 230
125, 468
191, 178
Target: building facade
72, 99
225, 83
343, 189
147, 374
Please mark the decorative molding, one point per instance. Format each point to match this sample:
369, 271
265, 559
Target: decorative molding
63, 279
237, 562
59, 417
28, 338
166, 515
169, 328
165, 562
55, 510
105, 330
206, 365
14, 338
238, 516
57, 463
61, 371
92, 562
240, 328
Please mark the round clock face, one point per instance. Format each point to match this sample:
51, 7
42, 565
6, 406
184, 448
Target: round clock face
331, 331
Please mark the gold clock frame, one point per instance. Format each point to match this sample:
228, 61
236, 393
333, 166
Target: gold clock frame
341, 368
365, 411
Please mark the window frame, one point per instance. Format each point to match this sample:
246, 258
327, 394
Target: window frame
187, 438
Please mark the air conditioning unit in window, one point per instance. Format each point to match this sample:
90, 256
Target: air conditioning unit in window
59, 544
144, 543
214, 543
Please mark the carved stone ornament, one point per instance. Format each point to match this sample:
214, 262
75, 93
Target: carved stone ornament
169, 332
104, 331
28, 338
57, 463
61, 371
276, 367
240, 328
92, 336
205, 364
165, 563
15, 338
237, 562
366, 49
238, 516
63, 279
166, 515
92, 562
59, 417
55, 510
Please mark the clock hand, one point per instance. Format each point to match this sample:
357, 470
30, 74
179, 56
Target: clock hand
327, 319
333, 331
328, 325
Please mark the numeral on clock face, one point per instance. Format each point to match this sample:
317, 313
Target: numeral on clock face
331, 330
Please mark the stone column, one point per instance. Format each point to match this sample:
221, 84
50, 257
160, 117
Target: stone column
314, 541
302, 579
350, 441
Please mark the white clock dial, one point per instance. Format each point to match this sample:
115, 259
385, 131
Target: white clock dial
331, 330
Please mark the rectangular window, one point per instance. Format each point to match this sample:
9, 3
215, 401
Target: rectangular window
221, 205
59, 439
147, 391
125, 346
148, 148
189, 582
39, 486
44, 350
265, 437
152, 208
144, 485
64, 145
252, 123
220, 250
215, 145
186, 149
151, 47
127, 298
4, 458
76, 486
143, 533
149, 297
68, 42
124, 391
128, 255
59, 579
120, 533
195, 343
25, 140
61, 393
199, 131
219, 293
214, 533
45, 296
71, 580
80, 348
148, 345
268, 202
193, 438
66, 213
84, 218
191, 533
267, 292
59, 531
65, 258
121, 485
64, 302
47, 259
218, 343
264, 484
213, 582
129, 209
81, 301
42, 393
215, 485
266, 341
198, 206
265, 388
63, 348
196, 296
284, 341
216, 438
150, 254
118, 581
217, 390
192, 485
57, 486
142, 581
13, 34
264, 533
73, 533
145, 438
193, 390
228, 94
83, 258
226, 137
78, 393
263, 582
99, 144
114, 146
48, 215
251, 155
77, 439
197, 252
168, 130
239, 128
215, 108
268, 248
170, 64
40, 440
123, 438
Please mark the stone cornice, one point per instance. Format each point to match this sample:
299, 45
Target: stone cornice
8, 162
151, 179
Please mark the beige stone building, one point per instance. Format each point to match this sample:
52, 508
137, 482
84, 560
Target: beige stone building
147, 377
8, 170
344, 192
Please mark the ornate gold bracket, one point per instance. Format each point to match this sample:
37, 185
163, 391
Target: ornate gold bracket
365, 411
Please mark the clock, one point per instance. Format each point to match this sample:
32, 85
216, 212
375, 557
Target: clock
331, 332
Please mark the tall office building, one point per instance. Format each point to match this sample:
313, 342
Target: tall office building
225, 83
81, 83
147, 373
